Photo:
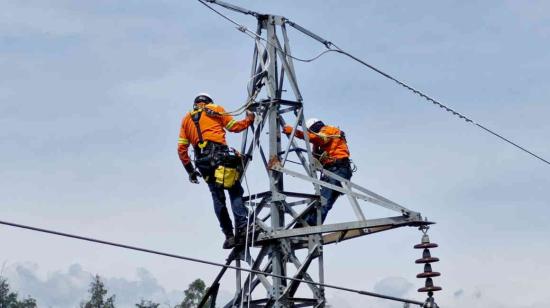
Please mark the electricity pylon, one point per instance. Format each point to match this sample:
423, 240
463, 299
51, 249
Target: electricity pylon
277, 245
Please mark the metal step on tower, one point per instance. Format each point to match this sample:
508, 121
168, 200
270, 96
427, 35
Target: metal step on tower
275, 244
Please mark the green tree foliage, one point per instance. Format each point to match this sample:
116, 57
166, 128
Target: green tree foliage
147, 304
194, 294
27, 303
98, 296
9, 299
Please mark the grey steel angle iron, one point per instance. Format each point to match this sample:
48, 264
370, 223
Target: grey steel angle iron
278, 242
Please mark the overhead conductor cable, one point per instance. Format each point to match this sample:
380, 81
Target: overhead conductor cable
331, 47
197, 260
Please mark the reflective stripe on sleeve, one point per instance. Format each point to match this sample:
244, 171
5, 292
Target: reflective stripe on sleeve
183, 141
230, 124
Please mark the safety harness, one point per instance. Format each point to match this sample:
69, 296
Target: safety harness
196, 116
225, 162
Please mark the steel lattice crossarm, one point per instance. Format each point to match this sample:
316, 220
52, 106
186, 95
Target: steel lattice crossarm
280, 241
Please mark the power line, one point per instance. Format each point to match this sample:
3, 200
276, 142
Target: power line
197, 260
439, 104
253, 35
337, 49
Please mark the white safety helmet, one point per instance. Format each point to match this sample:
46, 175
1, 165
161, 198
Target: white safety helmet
310, 122
204, 98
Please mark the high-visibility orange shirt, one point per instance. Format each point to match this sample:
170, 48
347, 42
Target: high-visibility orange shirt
212, 128
329, 140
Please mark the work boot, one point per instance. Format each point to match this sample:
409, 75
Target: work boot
229, 241
240, 237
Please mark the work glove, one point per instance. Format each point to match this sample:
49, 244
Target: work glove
250, 116
194, 177
287, 129
193, 174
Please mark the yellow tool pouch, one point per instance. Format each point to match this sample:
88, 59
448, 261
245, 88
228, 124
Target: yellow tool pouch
226, 177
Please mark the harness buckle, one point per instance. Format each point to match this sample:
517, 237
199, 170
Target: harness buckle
203, 144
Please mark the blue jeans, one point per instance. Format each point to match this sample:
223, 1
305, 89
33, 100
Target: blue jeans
329, 196
240, 213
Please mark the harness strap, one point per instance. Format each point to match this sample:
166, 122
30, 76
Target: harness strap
195, 116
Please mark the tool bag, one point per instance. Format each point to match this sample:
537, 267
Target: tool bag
229, 167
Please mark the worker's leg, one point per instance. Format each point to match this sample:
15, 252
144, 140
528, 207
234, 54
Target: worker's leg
329, 196
218, 198
240, 213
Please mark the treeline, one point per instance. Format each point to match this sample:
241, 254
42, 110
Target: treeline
99, 297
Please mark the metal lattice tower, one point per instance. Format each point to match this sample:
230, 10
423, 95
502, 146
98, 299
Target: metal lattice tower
278, 246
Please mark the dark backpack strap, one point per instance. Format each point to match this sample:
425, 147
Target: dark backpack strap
196, 116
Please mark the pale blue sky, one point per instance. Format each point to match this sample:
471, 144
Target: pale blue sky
92, 94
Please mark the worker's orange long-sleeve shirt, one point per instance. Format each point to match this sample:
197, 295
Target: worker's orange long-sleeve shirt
329, 140
212, 126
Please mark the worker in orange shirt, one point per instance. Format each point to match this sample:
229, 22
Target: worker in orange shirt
331, 149
220, 166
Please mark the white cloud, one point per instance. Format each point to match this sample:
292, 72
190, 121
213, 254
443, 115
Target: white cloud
338, 301
394, 286
66, 289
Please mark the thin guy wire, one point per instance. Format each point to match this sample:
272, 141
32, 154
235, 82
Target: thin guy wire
337, 49
253, 224
252, 35
197, 260
439, 104
246, 251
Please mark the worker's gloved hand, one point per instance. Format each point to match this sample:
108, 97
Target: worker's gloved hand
193, 174
194, 177
287, 129
250, 115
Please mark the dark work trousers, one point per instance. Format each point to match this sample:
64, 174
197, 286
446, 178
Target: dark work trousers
329, 196
240, 213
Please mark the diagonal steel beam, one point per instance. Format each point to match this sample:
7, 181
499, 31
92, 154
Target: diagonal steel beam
324, 184
414, 220
389, 204
343, 190
354, 204
291, 137
301, 273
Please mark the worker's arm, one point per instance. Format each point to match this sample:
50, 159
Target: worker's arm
235, 126
183, 153
313, 138
183, 147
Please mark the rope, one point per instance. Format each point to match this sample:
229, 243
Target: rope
246, 249
252, 98
248, 226
337, 49
202, 261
